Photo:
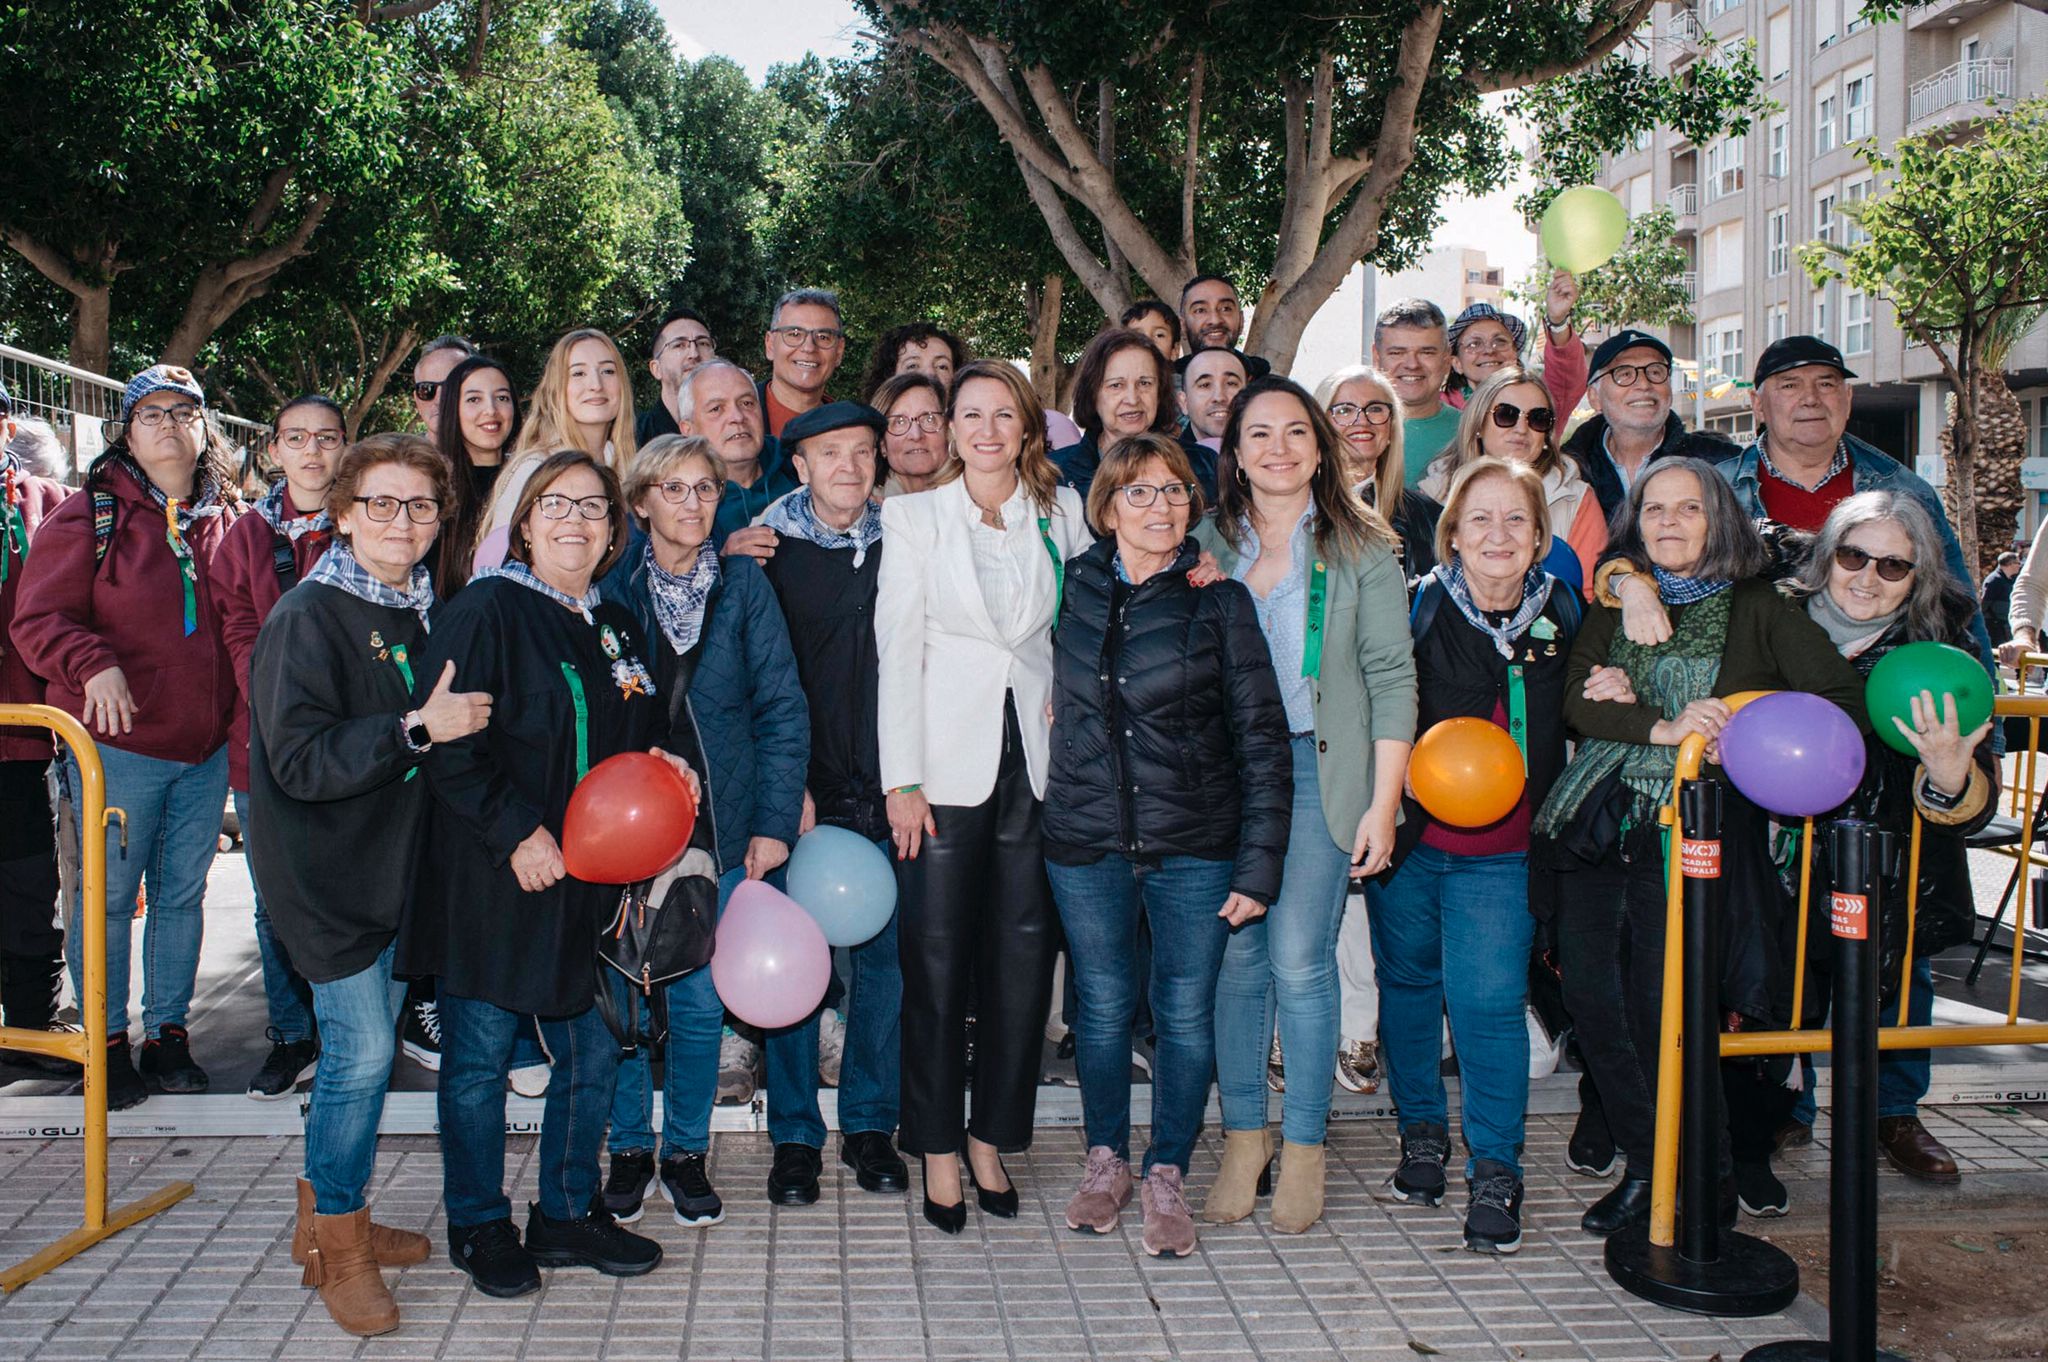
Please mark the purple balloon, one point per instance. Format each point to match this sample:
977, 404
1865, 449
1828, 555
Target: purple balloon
1793, 753
771, 963
491, 550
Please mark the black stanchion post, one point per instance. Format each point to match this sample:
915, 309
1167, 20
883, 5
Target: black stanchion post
1709, 1271
1853, 914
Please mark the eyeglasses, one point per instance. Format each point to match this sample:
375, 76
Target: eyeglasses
425, 389
555, 506
1375, 413
1480, 345
1506, 415
703, 343
926, 421
149, 418
676, 492
383, 510
329, 440
1849, 558
1142, 494
794, 336
1625, 375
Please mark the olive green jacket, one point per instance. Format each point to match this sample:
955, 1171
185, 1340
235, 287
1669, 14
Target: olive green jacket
1364, 690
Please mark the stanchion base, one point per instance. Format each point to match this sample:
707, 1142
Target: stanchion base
1807, 1350
1751, 1277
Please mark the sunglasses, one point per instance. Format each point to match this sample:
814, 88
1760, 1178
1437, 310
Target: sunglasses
425, 389
1851, 559
1541, 419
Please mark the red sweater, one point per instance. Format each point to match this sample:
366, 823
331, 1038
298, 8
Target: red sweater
246, 587
74, 619
1790, 504
19, 685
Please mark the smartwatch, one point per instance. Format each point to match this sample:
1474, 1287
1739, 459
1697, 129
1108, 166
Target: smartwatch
1936, 799
415, 730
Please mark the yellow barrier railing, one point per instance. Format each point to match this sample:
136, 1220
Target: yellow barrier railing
2012, 1031
87, 1048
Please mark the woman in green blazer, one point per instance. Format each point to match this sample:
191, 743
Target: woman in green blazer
1332, 602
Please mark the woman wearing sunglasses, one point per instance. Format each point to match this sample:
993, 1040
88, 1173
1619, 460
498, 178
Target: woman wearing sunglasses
1511, 416
1362, 406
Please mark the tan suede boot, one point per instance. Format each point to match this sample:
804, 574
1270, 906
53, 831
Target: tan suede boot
388, 1247
1298, 1200
1245, 1174
350, 1285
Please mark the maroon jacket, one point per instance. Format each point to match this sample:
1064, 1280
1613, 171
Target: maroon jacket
74, 619
246, 586
19, 685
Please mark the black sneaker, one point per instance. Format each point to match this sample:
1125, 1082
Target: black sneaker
421, 1040
494, 1258
626, 1188
1420, 1175
593, 1240
167, 1057
1591, 1150
1758, 1190
1493, 1210
687, 1186
291, 1063
125, 1087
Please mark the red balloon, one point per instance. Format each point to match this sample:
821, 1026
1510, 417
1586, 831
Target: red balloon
629, 818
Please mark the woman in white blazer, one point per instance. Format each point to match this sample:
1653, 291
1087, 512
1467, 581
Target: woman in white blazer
969, 591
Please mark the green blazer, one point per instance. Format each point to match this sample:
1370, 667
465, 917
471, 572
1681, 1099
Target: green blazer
1364, 690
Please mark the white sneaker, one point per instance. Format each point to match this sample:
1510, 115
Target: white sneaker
1276, 1065
739, 1068
831, 1046
531, 1080
1358, 1066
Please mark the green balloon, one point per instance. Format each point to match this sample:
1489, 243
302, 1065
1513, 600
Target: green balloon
1583, 228
1936, 667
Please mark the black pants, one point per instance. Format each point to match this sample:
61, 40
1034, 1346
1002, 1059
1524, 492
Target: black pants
974, 911
31, 935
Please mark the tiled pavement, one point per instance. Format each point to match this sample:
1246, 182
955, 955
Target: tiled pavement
862, 1277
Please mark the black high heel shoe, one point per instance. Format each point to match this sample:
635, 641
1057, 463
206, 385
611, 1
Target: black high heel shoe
946, 1219
1001, 1204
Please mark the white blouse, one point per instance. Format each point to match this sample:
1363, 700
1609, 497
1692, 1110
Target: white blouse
1002, 558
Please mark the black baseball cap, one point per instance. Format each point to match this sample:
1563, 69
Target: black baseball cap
1627, 339
1254, 367
1796, 352
830, 417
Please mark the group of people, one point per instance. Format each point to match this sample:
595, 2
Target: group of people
1137, 686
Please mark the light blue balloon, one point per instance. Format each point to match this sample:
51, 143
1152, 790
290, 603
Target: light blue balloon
845, 882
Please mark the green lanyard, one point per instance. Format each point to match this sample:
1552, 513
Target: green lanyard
404, 671
1312, 640
1518, 714
13, 528
582, 720
1059, 568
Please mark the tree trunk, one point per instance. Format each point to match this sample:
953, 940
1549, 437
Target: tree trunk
92, 347
2001, 431
1045, 333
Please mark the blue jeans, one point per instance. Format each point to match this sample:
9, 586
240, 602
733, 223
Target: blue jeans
476, 1053
287, 994
172, 833
1903, 1076
1099, 906
358, 1036
1288, 956
1466, 918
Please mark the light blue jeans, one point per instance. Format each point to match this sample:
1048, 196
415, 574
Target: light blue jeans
173, 830
1288, 957
358, 1036
284, 990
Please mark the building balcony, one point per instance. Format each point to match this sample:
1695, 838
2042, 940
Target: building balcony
1958, 92
1690, 281
1684, 201
1685, 27
1945, 13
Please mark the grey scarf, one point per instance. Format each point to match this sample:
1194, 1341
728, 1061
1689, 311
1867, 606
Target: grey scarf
1850, 637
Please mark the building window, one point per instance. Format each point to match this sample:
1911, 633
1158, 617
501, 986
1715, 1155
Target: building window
1722, 350
1643, 139
1717, 8
1856, 191
1857, 328
1721, 257
1826, 16
1724, 167
1859, 21
1781, 147
1778, 240
1856, 99
1775, 322
1778, 45
1823, 323
1824, 124
1824, 215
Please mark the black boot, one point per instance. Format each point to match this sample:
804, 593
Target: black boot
1628, 1203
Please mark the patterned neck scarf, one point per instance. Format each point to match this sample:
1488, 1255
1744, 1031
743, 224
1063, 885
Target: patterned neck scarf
283, 517
514, 570
1673, 589
795, 515
180, 515
340, 568
13, 525
1534, 596
679, 601
1835, 465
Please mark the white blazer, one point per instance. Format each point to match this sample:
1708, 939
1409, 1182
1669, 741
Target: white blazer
945, 666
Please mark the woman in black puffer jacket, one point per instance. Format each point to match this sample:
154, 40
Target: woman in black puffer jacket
1171, 786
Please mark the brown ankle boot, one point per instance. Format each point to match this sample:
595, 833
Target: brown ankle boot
1241, 1177
351, 1287
388, 1247
1298, 1200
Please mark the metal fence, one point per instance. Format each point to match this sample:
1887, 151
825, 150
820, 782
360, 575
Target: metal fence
84, 408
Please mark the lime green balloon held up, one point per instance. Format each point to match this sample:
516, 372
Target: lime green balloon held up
1583, 228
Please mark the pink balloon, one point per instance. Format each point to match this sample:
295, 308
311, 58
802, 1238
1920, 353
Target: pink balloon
771, 964
490, 552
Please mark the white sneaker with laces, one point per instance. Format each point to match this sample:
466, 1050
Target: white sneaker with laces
831, 1045
739, 1068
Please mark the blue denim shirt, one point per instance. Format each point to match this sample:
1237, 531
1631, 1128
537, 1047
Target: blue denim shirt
1283, 619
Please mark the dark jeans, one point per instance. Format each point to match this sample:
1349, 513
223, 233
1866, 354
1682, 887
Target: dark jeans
30, 928
1099, 906
974, 911
476, 1054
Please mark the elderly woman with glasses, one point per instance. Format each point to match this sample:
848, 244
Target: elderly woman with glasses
913, 408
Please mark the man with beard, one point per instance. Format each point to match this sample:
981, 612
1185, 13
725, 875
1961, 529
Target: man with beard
681, 343
1209, 379
1210, 313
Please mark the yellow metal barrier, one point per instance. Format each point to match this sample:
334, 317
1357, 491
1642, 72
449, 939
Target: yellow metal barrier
88, 1048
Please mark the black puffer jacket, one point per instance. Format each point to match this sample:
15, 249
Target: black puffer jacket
1168, 737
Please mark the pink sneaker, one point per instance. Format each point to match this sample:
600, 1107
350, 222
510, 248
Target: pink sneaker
1105, 1191
1169, 1229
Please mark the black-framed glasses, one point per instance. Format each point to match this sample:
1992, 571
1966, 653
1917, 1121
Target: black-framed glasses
676, 492
329, 440
704, 344
1849, 558
1374, 413
1625, 375
384, 510
794, 336
1139, 495
926, 421
183, 414
1507, 415
555, 506
425, 389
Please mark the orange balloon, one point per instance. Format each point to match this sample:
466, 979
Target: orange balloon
629, 818
1742, 697
1467, 772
